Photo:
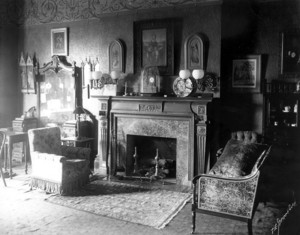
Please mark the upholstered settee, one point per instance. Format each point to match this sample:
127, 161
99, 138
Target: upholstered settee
229, 188
56, 168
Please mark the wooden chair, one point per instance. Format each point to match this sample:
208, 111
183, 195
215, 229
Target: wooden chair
229, 189
2, 143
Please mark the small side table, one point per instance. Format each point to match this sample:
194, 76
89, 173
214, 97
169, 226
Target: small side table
11, 138
82, 142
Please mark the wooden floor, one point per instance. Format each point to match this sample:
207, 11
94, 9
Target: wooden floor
26, 212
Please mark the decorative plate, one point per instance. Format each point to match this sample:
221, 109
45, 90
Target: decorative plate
183, 87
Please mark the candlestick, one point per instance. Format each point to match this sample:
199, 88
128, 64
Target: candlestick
125, 92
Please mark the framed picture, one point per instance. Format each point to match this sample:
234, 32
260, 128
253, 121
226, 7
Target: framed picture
193, 52
59, 41
28, 84
116, 56
31, 84
23, 74
290, 54
154, 45
246, 74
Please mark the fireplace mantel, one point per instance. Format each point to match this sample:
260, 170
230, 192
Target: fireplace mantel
184, 118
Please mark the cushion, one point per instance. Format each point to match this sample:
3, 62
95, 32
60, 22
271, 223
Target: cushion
238, 158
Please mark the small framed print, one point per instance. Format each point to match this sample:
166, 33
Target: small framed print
59, 41
193, 52
246, 74
116, 56
31, 84
23, 74
27, 75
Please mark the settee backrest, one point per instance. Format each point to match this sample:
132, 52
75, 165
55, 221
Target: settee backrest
242, 155
45, 140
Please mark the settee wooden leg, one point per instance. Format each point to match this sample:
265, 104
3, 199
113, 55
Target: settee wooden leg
250, 226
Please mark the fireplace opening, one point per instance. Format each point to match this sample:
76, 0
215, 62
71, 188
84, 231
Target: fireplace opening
151, 157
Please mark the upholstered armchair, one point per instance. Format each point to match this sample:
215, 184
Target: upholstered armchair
56, 168
229, 188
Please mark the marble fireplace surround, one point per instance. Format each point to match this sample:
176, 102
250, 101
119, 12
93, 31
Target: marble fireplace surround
167, 117
159, 126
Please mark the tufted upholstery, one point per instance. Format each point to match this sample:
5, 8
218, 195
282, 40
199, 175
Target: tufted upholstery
245, 136
238, 158
56, 168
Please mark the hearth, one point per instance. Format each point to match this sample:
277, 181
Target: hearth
151, 157
148, 123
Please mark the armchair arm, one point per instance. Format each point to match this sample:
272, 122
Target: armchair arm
76, 152
262, 159
234, 179
234, 196
47, 157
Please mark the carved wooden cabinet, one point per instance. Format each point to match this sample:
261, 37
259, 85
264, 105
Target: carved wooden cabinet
281, 119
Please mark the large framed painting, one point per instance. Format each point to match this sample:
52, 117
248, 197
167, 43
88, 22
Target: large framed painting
154, 45
59, 41
290, 54
246, 74
116, 56
193, 52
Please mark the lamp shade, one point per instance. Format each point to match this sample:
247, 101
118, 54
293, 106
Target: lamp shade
184, 73
198, 73
96, 75
115, 74
78, 110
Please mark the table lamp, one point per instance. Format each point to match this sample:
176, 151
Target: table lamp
184, 74
198, 74
115, 75
78, 111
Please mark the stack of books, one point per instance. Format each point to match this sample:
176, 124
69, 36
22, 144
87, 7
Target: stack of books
24, 124
69, 129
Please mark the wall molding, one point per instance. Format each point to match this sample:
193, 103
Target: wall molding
34, 12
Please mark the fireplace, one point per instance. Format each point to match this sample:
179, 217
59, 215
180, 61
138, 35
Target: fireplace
176, 127
145, 153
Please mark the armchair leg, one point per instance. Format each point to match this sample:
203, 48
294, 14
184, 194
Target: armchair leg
193, 220
250, 226
2, 176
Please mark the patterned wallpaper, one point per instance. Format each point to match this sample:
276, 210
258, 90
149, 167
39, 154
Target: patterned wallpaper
32, 12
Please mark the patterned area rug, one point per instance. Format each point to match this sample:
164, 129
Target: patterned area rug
152, 207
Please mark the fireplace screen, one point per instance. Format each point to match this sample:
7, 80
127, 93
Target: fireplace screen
152, 157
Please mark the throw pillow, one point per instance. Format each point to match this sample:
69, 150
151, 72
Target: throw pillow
238, 158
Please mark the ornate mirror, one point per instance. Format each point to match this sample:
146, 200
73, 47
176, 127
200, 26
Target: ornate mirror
57, 92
